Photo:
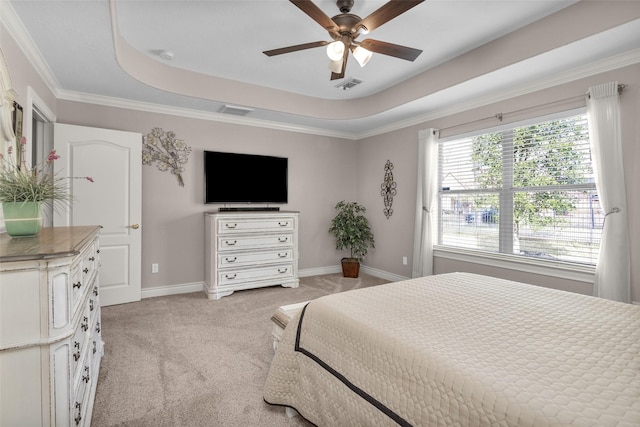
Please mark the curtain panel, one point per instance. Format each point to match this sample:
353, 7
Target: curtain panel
613, 271
427, 190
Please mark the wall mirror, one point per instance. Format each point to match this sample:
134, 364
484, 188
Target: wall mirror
7, 95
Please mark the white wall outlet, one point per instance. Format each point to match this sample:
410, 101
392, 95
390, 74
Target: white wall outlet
404, 260
154, 268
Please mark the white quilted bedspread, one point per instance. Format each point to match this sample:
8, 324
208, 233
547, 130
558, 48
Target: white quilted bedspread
460, 350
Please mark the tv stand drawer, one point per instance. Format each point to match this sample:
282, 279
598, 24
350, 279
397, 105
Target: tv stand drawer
242, 259
263, 223
235, 277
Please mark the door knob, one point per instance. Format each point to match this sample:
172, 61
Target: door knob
135, 226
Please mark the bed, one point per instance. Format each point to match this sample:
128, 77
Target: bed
460, 349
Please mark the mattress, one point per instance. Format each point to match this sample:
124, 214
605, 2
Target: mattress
460, 350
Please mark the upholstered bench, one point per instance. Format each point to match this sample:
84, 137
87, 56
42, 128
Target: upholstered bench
281, 318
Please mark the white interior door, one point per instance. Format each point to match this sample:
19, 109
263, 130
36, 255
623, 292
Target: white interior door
113, 200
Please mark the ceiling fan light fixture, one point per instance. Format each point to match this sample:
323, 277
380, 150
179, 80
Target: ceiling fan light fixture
336, 66
362, 55
335, 50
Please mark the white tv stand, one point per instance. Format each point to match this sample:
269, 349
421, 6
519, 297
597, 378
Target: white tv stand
252, 249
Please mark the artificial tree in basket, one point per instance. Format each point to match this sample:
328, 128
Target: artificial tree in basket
351, 230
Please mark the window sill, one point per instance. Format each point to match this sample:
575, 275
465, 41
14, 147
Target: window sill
564, 270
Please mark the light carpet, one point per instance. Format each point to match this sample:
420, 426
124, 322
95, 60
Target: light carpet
184, 360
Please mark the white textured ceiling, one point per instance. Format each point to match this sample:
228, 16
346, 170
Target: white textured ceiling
225, 39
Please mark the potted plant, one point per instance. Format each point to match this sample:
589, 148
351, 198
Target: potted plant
350, 227
24, 189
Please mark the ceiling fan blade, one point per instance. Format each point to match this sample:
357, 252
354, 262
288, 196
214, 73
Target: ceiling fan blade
396, 50
295, 48
386, 13
340, 75
316, 14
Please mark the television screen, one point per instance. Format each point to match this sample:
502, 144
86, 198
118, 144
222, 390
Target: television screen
244, 178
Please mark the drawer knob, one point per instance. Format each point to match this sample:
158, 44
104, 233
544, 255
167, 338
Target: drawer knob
230, 242
85, 270
283, 224
283, 270
230, 260
283, 239
284, 255
85, 323
98, 327
85, 378
90, 305
95, 291
92, 258
230, 276
77, 285
229, 225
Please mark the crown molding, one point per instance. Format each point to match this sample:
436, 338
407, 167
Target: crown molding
16, 29
149, 107
609, 64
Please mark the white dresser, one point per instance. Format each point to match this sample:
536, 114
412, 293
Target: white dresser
50, 340
245, 250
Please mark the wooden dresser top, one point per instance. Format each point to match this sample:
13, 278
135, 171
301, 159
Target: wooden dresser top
51, 242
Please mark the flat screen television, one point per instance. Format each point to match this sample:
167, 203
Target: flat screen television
244, 178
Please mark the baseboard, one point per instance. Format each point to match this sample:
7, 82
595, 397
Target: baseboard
382, 274
319, 271
187, 288
162, 291
363, 268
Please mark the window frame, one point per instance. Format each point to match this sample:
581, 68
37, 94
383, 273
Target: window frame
554, 268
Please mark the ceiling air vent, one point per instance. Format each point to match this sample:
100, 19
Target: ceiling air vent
235, 110
348, 83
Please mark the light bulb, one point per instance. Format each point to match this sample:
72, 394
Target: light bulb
362, 55
335, 50
336, 66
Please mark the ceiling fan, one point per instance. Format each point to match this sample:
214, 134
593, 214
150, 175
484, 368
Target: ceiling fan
346, 27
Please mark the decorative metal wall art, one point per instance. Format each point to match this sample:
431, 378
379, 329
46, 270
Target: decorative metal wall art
167, 151
388, 189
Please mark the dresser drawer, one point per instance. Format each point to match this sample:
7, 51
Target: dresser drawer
242, 259
248, 225
233, 243
236, 277
89, 264
82, 394
79, 342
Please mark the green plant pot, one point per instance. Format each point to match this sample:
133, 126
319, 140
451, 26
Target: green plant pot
22, 219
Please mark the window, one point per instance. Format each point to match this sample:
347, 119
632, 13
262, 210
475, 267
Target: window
526, 191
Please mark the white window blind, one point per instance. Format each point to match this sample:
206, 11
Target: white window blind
525, 191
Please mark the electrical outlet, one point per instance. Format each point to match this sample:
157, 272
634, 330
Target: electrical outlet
154, 268
404, 260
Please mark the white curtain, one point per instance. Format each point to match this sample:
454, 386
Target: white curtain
613, 276
425, 203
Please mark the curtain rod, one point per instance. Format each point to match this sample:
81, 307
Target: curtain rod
500, 116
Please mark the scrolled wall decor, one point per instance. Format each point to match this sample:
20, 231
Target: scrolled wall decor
167, 151
388, 189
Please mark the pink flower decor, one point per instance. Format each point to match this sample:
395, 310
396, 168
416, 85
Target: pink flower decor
19, 183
